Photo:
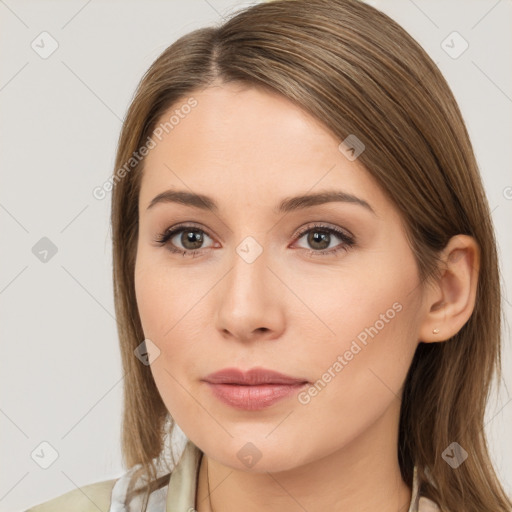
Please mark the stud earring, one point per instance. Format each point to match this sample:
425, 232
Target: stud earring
435, 331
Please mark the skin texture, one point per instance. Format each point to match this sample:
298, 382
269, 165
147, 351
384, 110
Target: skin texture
289, 310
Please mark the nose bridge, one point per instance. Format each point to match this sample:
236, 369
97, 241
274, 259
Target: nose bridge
249, 274
247, 297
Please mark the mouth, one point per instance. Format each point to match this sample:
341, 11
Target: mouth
253, 390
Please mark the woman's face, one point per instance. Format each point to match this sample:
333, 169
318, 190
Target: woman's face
272, 284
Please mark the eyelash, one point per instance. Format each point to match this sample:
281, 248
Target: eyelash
347, 241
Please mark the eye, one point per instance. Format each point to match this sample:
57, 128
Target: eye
320, 236
190, 237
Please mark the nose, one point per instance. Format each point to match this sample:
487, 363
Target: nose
249, 301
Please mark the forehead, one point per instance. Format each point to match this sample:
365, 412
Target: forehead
250, 143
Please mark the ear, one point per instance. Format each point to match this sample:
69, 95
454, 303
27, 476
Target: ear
450, 300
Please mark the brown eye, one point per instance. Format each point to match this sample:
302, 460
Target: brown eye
191, 239
319, 238
183, 239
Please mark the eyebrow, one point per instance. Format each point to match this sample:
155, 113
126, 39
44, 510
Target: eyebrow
288, 204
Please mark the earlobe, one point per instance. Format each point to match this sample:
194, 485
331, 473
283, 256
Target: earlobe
449, 302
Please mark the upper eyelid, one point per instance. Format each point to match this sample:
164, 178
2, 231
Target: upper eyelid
321, 225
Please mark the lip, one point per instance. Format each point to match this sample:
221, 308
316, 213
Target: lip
253, 377
253, 390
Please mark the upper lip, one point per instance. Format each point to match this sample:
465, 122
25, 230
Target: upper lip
252, 377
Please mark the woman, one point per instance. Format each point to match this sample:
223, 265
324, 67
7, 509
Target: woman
305, 271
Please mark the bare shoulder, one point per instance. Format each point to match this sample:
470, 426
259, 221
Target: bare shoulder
88, 498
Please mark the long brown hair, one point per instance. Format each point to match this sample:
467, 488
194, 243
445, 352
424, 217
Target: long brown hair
359, 72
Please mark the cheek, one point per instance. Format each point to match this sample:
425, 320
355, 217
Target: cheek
163, 304
358, 373
373, 320
156, 304
169, 303
164, 295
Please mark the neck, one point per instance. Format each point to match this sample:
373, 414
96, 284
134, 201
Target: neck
363, 475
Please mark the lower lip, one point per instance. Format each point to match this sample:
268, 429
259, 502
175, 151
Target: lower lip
253, 398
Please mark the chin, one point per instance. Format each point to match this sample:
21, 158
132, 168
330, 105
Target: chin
258, 456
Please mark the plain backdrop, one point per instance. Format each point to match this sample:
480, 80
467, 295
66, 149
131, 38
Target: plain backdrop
67, 74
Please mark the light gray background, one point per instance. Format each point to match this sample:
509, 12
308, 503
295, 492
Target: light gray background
61, 377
